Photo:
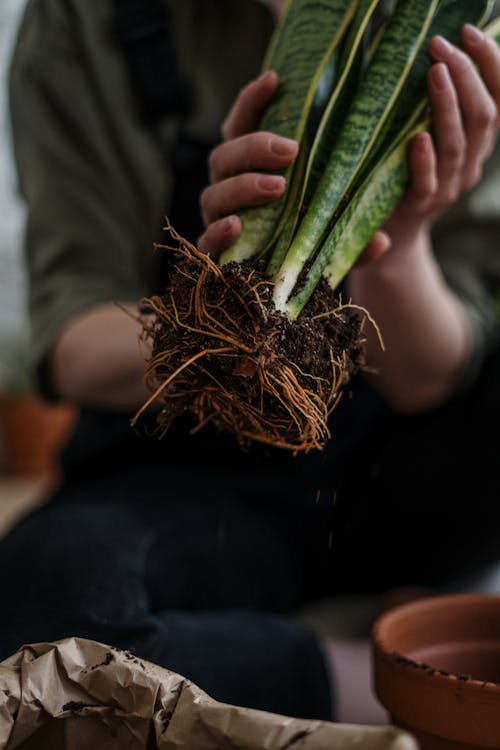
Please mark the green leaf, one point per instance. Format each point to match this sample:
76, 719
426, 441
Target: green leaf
308, 172
367, 116
384, 181
308, 34
366, 211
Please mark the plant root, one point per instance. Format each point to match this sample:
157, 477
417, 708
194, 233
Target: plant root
221, 351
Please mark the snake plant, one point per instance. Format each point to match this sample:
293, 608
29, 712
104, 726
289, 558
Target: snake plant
246, 345
350, 174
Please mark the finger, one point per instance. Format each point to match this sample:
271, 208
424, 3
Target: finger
486, 54
379, 244
249, 153
230, 195
449, 134
478, 109
423, 169
220, 235
246, 111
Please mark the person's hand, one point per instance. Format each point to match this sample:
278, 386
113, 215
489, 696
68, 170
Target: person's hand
465, 104
236, 179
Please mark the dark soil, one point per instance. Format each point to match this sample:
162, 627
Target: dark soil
222, 352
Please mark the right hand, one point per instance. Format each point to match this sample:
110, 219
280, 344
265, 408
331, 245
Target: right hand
235, 179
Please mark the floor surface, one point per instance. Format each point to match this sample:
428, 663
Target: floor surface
18, 494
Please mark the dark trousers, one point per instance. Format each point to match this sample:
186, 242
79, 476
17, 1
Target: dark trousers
198, 567
198, 583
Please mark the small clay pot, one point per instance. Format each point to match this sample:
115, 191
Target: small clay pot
31, 433
437, 670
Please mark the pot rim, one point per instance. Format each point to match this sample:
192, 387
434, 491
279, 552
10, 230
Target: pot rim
402, 661
421, 698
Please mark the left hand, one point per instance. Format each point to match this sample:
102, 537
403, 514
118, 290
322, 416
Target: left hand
235, 166
465, 105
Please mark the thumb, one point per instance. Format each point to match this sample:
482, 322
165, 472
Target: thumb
379, 244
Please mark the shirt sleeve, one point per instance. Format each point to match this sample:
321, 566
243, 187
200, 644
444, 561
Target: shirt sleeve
93, 176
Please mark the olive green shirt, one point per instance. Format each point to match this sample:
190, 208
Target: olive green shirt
97, 180
95, 177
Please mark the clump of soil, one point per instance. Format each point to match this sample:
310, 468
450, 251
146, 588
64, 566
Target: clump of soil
222, 352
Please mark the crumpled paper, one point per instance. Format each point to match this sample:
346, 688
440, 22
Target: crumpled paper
76, 694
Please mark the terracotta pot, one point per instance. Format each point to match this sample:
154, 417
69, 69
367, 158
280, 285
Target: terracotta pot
437, 670
31, 433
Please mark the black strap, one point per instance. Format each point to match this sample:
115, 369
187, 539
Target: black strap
143, 30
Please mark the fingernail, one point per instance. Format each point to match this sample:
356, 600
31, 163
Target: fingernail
270, 183
471, 34
440, 77
270, 75
228, 224
440, 47
422, 142
284, 147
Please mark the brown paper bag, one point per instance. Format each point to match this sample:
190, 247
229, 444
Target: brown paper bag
80, 695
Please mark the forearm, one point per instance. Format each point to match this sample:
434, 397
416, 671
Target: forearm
98, 362
422, 323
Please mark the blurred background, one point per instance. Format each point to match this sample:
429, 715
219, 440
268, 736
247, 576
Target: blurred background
30, 430
12, 296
